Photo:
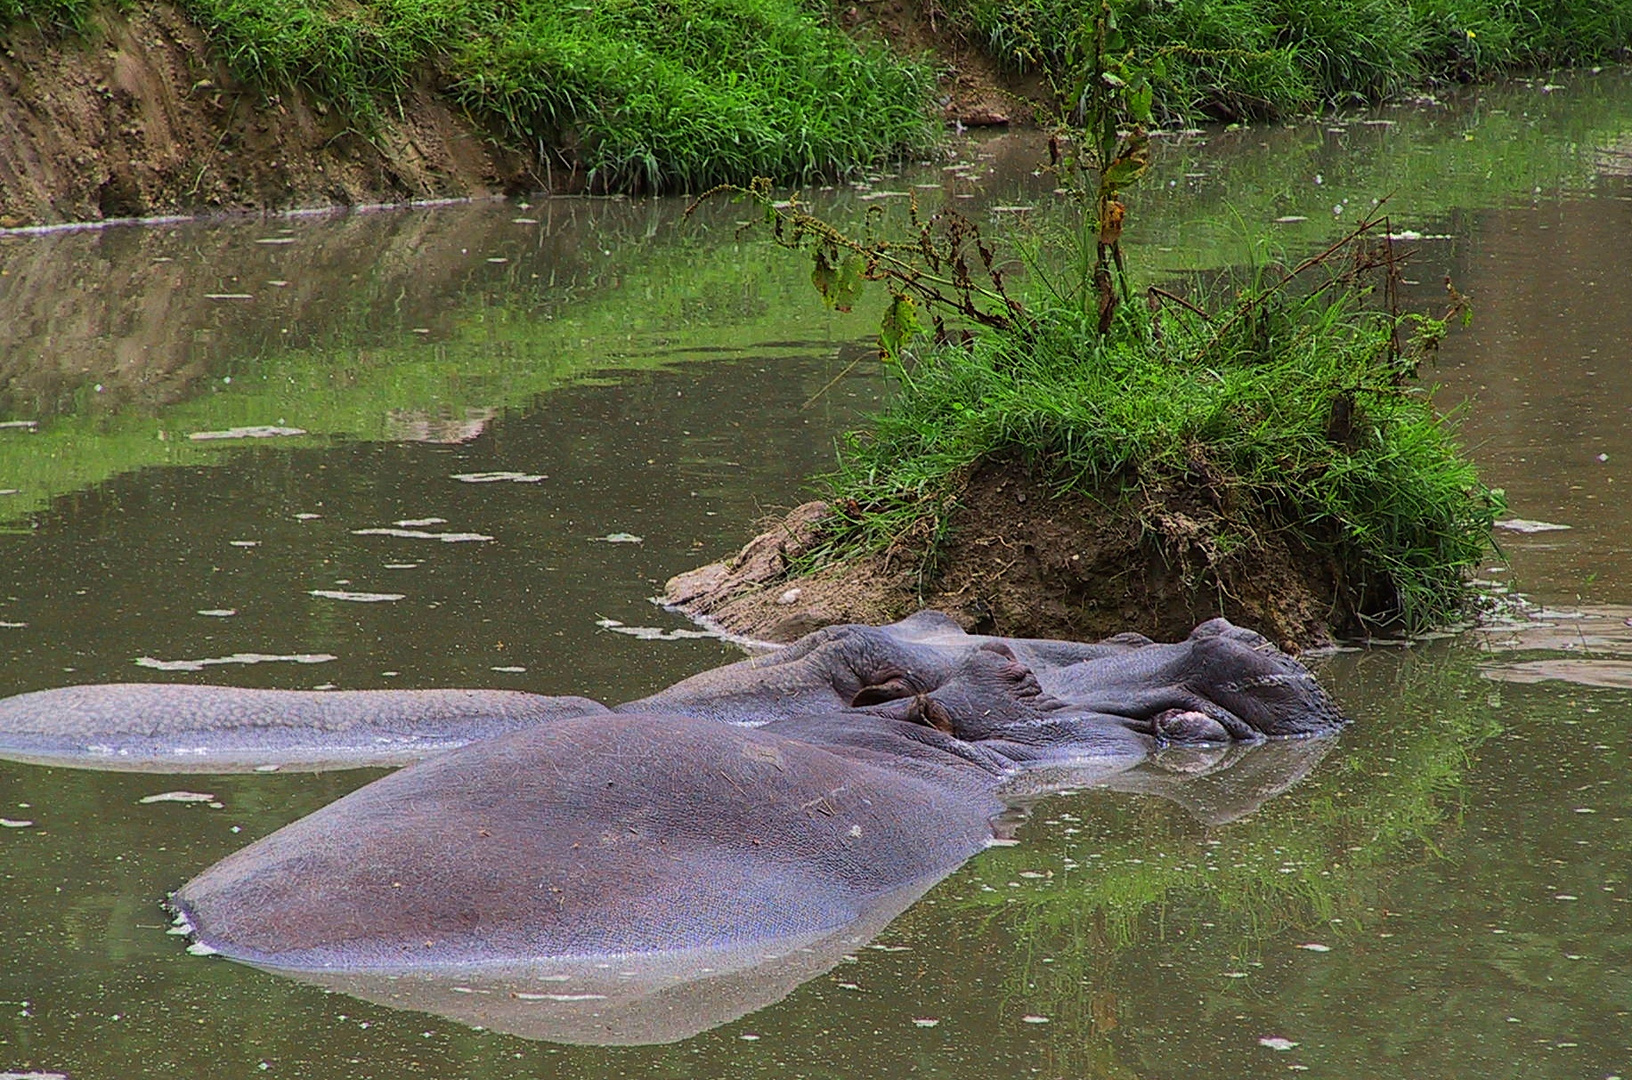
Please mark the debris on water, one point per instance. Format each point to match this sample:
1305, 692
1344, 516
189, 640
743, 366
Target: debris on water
510, 669
415, 534
219, 612
1275, 1042
256, 431
496, 477
1609, 674
619, 538
357, 597
33, 1076
654, 633
749, 1038
245, 543
12, 625
235, 658
418, 523
14, 823
178, 796
307, 517
925, 1021
1525, 525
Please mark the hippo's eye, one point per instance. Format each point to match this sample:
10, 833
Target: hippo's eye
891, 690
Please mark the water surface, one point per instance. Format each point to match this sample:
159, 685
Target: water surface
1446, 894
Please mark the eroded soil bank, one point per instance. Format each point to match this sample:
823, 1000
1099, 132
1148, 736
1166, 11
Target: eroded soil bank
1022, 562
135, 118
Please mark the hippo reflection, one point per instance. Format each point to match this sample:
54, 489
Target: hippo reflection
698, 852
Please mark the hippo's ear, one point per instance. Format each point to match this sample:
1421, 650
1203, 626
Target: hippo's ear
889, 690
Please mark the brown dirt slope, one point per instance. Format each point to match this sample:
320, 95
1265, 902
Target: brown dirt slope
134, 119
1023, 563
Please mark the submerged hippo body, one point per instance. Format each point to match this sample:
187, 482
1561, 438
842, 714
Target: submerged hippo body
597, 860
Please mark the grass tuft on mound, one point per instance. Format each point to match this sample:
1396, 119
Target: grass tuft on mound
1299, 420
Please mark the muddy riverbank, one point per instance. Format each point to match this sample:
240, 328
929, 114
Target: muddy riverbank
137, 118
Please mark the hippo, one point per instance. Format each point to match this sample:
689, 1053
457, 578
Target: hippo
180, 728
186, 728
608, 857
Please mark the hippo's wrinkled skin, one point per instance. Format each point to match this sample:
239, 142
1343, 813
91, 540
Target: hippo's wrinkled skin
664, 848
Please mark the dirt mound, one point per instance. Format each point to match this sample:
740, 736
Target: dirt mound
134, 118
1023, 563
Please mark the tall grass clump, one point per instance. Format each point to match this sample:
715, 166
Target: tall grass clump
1295, 424
689, 93
649, 94
1248, 59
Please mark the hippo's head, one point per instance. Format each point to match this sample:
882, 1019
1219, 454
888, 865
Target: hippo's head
1273, 694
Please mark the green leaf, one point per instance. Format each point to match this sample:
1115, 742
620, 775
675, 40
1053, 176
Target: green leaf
851, 275
899, 327
826, 279
1139, 100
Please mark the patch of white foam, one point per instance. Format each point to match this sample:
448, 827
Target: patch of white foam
357, 597
654, 633
235, 658
499, 477
416, 534
260, 431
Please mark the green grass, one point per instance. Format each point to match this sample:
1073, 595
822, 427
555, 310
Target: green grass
647, 94
48, 15
1240, 408
1252, 59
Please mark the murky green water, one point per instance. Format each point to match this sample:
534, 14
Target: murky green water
1447, 894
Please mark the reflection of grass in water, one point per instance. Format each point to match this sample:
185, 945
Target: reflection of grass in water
667, 306
1149, 874
676, 289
